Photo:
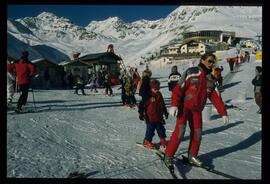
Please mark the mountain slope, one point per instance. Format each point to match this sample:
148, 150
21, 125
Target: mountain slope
132, 40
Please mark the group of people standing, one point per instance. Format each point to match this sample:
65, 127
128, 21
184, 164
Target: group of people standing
129, 81
239, 58
96, 80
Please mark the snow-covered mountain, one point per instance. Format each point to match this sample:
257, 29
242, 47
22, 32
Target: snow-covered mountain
131, 40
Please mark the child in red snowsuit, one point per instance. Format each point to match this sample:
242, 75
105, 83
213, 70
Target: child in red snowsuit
154, 108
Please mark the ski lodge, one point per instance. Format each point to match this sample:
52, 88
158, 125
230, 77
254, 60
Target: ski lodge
89, 63
56, 74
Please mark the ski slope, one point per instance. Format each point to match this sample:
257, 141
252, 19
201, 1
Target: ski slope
96, 135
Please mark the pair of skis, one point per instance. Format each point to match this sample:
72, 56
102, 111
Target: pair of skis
185, 161
28, 110
161, 155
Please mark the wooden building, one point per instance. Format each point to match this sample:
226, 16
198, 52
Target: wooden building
54, 77
211, 36
89, 63
193, 46
107, 60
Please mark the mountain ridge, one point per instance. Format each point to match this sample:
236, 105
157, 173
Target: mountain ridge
134, 40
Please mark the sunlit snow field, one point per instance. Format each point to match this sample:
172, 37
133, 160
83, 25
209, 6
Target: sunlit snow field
96, 135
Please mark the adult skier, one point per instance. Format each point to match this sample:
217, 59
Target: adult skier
174, 77
144, 92
188, 100
257, 82
24, 71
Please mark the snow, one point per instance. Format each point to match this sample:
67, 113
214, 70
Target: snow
96, 135
131, 40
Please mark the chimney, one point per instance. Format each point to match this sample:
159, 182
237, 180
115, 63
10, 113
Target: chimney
75, 56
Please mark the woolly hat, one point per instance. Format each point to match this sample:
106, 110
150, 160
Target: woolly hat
155, 84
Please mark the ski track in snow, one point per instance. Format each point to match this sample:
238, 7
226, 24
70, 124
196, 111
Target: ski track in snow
94, 134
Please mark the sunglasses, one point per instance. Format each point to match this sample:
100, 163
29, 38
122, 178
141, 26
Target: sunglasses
211, 61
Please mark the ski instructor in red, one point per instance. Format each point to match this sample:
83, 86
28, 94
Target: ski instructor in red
24, 70
188, 100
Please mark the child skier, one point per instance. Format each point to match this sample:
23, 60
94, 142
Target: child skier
129, 91
218, 75
154, 108
79, 85
144, 91
107, 84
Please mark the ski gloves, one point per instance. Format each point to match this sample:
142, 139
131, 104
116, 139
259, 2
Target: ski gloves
173, 111
141, 117
225, 120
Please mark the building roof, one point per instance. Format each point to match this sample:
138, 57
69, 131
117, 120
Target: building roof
43, 59
95, 56
72, 63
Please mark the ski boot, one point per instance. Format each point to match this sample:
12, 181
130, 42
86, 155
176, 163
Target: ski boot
148, 144
195, 161
169, 162
18, 110
163, 144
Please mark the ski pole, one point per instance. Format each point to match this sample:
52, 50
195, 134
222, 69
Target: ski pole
34, 99
16, 85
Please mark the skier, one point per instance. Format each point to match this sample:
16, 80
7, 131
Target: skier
122, 87
46, 77
144, 92
129, 91
11, 82
24, 70
153, 111
79, 85
69, 80
257, 82
231, 63
219, 78
107, 84
110, 48
188, 100
236, 62
93, 83
247, 56
147, 70
174, 77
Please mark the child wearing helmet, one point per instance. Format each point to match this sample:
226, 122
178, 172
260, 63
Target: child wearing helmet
154, 109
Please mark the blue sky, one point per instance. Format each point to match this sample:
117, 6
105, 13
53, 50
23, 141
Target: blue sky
83, 14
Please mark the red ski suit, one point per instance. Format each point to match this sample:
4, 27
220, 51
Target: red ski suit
190, 95
23, 71
155, 108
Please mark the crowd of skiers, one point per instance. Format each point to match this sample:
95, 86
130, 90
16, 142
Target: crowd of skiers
99, 79
239, 58
189, 93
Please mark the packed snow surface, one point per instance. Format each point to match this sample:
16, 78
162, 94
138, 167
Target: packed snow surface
96, 135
